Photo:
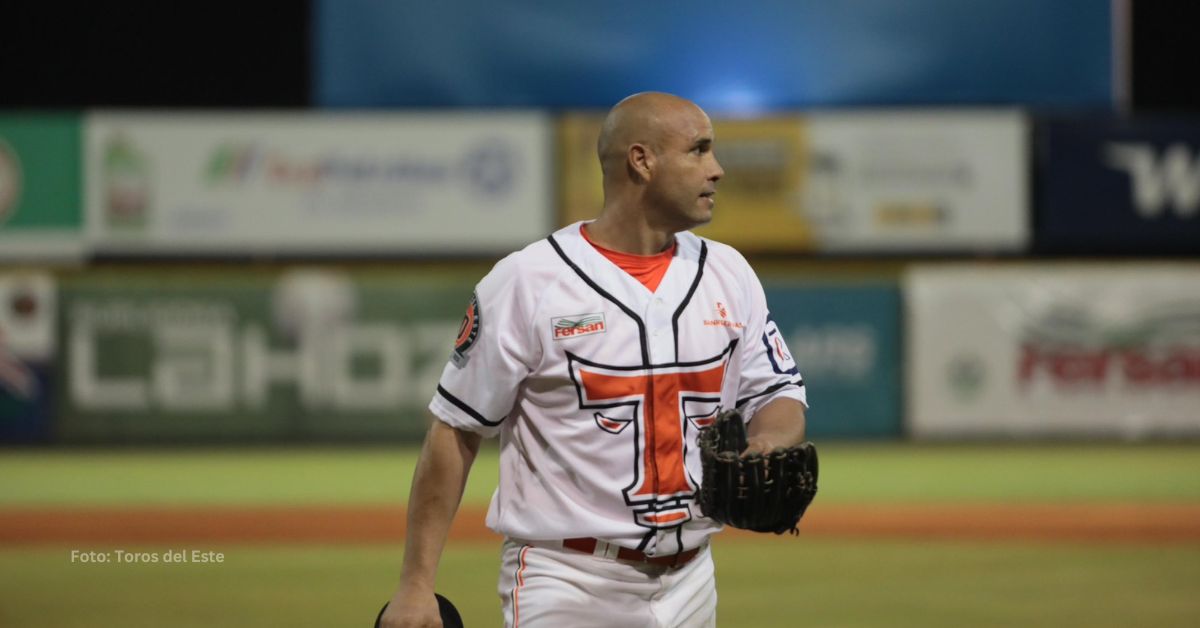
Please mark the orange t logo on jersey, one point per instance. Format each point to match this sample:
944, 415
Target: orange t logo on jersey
660, 401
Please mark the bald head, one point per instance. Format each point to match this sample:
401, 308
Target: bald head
639, 119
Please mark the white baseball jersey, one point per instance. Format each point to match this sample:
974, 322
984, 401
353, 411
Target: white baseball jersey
598, 387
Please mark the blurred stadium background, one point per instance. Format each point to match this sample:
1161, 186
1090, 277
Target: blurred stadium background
236, 241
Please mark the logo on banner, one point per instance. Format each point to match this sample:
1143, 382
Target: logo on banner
21, 307
966, 374
1158, 182
1069, 347
321, 347
126, 183
490, 168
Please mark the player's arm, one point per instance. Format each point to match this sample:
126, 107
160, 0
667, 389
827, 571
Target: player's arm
778, 424
437, 489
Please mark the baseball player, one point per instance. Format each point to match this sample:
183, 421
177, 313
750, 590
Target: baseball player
597, 355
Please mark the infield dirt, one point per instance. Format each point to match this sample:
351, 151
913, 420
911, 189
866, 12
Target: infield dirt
369, 524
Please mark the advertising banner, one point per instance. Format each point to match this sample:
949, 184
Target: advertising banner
1040, 350
917, 181
391, 184
1119, 186
309, 355
764, 162
41, 209
862, 182
846, 341
317, 354
28, 344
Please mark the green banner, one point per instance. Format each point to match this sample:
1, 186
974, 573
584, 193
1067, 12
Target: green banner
846, 341
40, 186
321, 355
304, 356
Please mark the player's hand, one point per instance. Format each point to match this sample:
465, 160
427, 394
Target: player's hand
411, 608
758, 445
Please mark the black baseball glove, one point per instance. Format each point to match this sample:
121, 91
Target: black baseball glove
450, 616
761, 492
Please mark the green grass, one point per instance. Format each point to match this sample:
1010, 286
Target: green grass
956, 584
772, 583
763, 583
1011, 472
209, 476
379, 475
256, 586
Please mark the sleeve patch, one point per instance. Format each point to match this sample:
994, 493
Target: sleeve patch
777, 351
468, 332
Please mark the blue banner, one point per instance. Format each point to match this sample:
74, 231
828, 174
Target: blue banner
1119, 186
727, 56
846, 341
26, 400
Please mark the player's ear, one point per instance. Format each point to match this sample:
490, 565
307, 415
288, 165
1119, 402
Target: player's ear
641, 162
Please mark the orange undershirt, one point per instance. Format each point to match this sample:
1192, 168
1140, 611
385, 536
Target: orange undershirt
648, 269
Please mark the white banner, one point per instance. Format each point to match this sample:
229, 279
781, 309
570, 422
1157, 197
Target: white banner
929, 180
1054, 350
28, 311
428, 183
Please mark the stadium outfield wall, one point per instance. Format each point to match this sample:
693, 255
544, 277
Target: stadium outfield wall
155, 351
474, 185
1008, 350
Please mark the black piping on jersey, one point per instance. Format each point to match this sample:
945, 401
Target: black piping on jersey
588, 280
688, 424
688, 298
634, 405
653, 533
655, 503
462, 405
744, 400
728, 349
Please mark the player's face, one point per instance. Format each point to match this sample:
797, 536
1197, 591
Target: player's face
687, 172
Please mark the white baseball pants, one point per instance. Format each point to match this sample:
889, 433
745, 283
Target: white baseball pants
550, 587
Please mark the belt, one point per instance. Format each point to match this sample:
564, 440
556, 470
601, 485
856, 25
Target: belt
589, 545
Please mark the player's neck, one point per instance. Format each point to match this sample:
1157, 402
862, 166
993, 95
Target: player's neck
629, 234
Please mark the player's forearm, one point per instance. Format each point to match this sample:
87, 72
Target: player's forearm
778, 424
437, 489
